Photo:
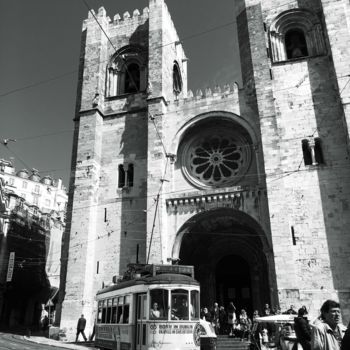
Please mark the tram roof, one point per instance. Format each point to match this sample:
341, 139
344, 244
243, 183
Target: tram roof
166, 278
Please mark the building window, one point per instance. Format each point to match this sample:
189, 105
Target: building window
318, 151
306, 152
296, 33
36, 200
125, 177
130, 175
37, 189
47, 203
312, 151
121, 176
215, 155
11, 181
177, 80
24, 184
126, 72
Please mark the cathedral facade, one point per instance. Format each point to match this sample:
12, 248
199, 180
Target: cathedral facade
250, 184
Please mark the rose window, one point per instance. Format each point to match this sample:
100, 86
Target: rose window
216, 158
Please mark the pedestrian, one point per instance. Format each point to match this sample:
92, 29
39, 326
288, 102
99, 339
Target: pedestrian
328, 334
81, 327
245, 325
302, 329
215, 313
291, 311
206, 315
267, 310
231, 318
222, 320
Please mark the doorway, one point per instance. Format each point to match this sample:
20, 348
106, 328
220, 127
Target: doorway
233, 283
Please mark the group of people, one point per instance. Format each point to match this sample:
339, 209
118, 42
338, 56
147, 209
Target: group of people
324, 333
226, 321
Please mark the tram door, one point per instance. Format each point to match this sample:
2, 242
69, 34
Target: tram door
141, 325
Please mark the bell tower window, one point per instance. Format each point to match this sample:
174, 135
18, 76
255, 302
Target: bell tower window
296, 34
126, 72
295, 44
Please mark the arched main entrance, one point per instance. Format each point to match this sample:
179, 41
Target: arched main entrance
231, 256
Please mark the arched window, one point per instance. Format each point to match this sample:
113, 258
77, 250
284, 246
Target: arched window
296, 33
295, 44
312, 151
126, 72
177, 80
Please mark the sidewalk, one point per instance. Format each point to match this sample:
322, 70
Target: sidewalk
59, 344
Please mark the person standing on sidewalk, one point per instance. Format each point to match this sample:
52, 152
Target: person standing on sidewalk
81, 327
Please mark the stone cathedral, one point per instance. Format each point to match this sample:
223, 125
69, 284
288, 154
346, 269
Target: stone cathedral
249, 184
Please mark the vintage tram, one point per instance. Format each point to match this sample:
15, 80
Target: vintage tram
152, 307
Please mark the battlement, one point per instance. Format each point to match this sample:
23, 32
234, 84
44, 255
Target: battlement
126, 18
217, 92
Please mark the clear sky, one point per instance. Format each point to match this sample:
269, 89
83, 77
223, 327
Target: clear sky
40, 40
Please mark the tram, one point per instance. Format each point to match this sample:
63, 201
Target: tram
152, 307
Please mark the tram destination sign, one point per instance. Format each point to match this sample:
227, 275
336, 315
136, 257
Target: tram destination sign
166, 328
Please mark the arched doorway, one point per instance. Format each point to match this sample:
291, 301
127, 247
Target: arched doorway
233, 282
231, 256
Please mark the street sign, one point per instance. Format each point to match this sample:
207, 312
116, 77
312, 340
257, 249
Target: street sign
49, 303
10, 267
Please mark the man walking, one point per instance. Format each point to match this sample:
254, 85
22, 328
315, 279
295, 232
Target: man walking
81, 327
327, 335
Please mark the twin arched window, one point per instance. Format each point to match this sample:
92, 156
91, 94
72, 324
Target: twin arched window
295, 34
126, 72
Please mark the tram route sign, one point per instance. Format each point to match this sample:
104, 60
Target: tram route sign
11, 266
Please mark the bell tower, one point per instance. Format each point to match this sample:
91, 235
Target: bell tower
294, 79
130, 67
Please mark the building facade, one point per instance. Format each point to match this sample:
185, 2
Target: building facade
32, 224
249, 184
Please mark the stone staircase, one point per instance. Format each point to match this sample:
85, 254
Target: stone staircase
226, 343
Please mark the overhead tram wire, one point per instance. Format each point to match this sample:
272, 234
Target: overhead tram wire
160, 46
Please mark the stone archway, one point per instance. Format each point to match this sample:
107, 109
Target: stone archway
231, 256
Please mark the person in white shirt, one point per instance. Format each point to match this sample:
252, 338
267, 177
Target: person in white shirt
328, 334
155, 313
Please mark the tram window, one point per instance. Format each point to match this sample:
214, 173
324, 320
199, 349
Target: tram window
194, 305
126, 314
120, 310
159, 304
104, 311
126, 309
109, 310
99, 312
179, 304
114, 310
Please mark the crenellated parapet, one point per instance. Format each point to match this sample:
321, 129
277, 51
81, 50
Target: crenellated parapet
208, 95
125, 19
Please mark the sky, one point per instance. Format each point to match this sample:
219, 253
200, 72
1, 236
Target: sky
39, 55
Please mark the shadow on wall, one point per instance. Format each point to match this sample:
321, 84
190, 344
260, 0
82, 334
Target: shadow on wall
333, 170
132, 186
